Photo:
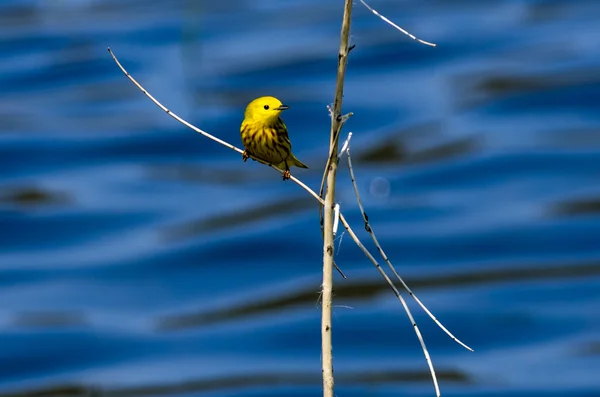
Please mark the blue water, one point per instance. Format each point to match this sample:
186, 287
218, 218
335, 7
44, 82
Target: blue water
138, 258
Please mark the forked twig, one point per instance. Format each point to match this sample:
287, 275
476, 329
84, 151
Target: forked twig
400, 298
369, 230
396, 26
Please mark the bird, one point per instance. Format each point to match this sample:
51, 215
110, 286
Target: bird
265, 136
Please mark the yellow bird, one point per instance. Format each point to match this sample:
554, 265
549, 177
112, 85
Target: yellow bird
265, 136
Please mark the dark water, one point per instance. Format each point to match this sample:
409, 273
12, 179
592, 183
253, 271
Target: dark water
138, 258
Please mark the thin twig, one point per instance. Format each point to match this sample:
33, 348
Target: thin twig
345, 145
400, 298
369, 229
340, 238
339, 270
396, 26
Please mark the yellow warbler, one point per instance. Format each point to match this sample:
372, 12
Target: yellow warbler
265, 136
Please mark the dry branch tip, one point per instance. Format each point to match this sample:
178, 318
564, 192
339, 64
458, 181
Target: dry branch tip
396, 26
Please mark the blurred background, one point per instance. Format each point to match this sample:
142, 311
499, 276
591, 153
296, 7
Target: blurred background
138, 258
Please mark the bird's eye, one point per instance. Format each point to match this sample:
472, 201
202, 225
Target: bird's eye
266, 107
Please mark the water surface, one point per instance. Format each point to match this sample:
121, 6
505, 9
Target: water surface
139, 258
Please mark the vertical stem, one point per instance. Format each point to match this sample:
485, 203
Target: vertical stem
336, 126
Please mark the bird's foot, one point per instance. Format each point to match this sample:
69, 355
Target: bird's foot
245, 156
286, 175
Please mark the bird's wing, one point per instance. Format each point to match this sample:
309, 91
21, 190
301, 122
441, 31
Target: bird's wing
282, 129
283, 132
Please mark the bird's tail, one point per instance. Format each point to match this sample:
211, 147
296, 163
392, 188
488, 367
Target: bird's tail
296, 162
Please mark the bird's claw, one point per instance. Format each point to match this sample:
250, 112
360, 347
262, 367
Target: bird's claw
286, 175
245, 156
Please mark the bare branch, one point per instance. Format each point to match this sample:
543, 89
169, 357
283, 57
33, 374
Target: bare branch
402, 301
369, 229
396, 26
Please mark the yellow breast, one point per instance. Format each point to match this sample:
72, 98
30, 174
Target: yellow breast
264, 143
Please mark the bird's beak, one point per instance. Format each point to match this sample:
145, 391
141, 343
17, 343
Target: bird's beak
282, 107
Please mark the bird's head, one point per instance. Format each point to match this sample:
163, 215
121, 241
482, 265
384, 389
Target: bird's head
264, 109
